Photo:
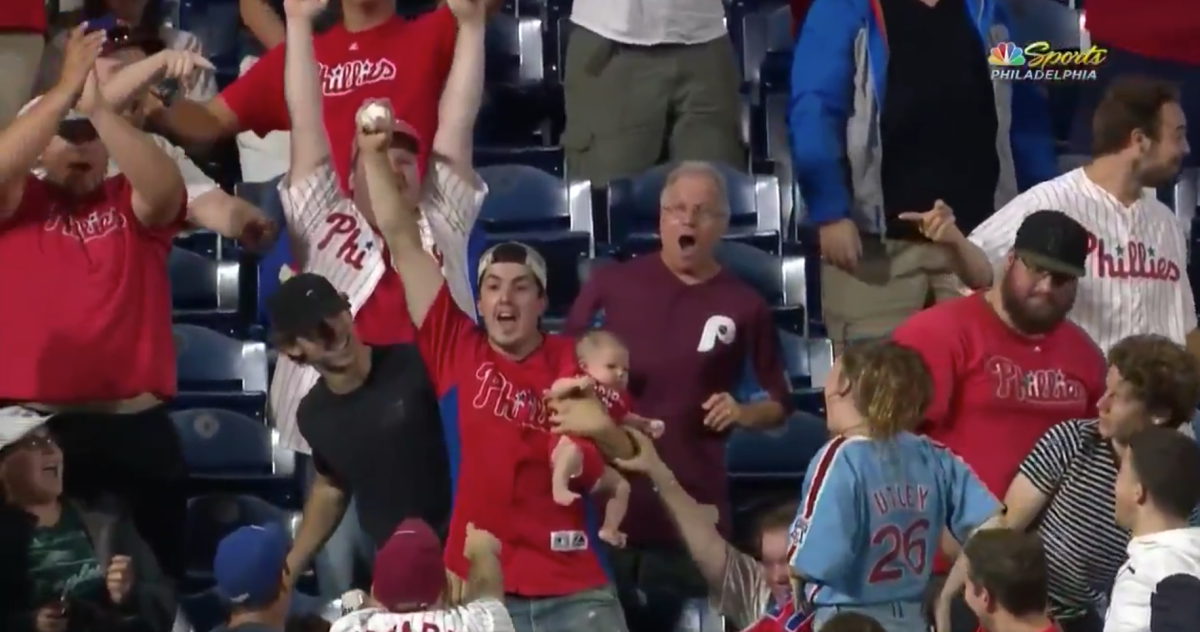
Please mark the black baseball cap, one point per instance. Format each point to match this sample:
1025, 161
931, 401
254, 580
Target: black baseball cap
1053, 241
302, 303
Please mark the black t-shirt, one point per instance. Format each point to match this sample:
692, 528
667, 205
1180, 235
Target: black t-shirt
383, 442
938, 123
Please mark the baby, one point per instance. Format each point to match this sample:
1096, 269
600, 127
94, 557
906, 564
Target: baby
605, 364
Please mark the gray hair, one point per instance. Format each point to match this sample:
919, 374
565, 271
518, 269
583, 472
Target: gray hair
704, 170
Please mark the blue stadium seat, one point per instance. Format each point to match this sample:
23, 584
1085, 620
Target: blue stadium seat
231, 453
515, 52
216, 371
519, 107
780, 280
528, 205
770, 143
548, 159
807, 361
265, 195
782, 454
213, 516
204, 291
766, 34
633, 210
218, 26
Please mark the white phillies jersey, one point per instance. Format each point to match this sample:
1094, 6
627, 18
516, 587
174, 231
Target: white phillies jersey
331, 238
1136, 279
484, 615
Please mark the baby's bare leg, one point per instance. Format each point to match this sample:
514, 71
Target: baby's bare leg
566, 461
615, 508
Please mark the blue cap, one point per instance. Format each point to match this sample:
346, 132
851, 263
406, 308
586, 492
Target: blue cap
249, 564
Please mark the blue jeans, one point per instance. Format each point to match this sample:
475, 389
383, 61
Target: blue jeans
594, 610
894, 617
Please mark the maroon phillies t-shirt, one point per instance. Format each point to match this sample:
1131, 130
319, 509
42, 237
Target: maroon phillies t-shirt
686, 343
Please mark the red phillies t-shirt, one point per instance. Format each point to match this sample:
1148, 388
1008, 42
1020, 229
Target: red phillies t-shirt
87, 312
1162, 29
23, 15
503, 478
404, 61
996, 392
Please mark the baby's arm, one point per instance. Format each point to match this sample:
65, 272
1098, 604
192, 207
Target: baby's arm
652, 428
564, 386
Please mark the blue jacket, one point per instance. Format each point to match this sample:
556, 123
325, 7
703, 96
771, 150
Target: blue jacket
839, 71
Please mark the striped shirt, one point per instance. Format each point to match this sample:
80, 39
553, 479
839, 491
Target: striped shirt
330, 237
1136, 279
484, 615
1077, 469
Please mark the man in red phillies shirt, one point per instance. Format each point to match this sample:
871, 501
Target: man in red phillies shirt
371, 54
498, 375
86, 332
1006, 363
1154, 38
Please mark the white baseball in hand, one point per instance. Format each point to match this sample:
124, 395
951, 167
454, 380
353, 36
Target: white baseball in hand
374, 117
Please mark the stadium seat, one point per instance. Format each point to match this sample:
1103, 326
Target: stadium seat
780, 281
514, 50
213, 516
231, 453
807, 361
217, 25
766, 34
204, 291
548, 159
771, 144
265, 195
528, 205
518, 108
216, 371
634, 206
782, 454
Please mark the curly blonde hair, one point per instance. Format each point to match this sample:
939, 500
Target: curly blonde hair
889, 384
1162, 375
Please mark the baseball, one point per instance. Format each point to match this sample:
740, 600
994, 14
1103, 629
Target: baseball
373, 116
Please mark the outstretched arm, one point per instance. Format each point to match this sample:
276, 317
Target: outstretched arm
459, 105
302, 89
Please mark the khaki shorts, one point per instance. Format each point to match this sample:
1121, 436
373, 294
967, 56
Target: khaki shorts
894, 280
630, 108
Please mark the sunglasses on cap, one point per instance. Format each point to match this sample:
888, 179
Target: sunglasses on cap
1057, 279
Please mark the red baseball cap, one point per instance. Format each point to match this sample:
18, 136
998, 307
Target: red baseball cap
409, 572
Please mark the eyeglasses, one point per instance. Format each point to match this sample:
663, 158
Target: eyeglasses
679, 212
1057, 279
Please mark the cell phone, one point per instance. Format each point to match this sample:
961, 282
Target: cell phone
101, 24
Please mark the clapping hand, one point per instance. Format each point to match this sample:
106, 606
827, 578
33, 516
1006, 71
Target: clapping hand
92, 100
79, 58
936, 224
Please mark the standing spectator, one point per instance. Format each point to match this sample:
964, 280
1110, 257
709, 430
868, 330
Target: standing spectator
1064, 488
862, 159
371, 54
86, 255
143, 18
497, 375
1006, 363
693, 329
1153, 39
371, 421
1137, 254
249, 569
408, 591
23, 23
1156, 490
876, 497
68, 564
1006, 582
648, 82
337, 235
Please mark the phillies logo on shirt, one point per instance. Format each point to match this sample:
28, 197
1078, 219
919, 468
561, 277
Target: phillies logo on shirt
354, 240
94, 225
782, 618
1134, 260
1041, 386
349, 76
495, 392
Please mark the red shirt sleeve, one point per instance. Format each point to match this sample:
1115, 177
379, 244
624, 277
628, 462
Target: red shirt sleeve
940, 347
443, 336
765, 357
256, 98
588, 302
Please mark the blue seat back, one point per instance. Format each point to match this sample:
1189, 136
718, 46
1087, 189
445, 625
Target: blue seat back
767, 43
208, 361
213, 516
515, 50
200, 284
548, 159
760, 270
265, 195
224, 443
776, 455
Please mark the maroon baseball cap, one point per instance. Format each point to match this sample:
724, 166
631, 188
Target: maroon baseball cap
409, 573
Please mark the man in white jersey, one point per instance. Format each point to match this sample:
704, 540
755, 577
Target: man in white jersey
408, 588
1136, 280
334, 235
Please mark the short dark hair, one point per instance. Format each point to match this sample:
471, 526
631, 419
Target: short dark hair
1164, 376
1130, 103
1167, 464
1011, 566
852, 622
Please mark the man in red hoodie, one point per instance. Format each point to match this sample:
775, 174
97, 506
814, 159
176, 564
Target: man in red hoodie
1155, 38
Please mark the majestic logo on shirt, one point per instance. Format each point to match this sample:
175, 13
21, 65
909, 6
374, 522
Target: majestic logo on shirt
353, 240
1041, 386
498, 395
94, 225
716, 328
1134, 260
349, 76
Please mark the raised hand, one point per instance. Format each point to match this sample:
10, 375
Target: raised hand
79, 58
936, 224
304, 9
376, 125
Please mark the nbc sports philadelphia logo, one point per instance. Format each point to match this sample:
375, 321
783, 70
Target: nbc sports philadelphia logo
1037, 61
